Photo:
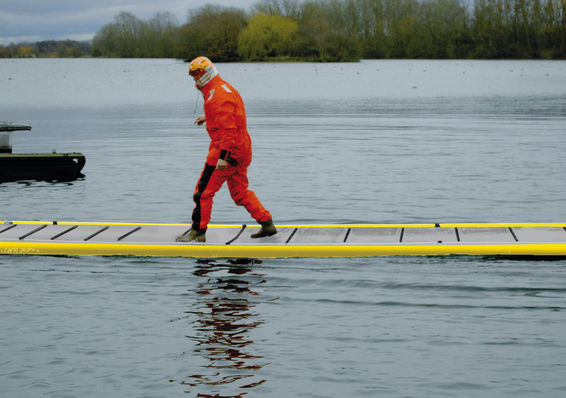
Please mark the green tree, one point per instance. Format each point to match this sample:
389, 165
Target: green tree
267, 36
285, 8
489, 28
212, 31
130, 37
403, 29
445, 29
367, 19
158, 36
120, 38
323, 35
553, 29
25, 51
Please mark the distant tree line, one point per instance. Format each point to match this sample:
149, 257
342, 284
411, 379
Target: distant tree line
345, 30
131, 37
49, 48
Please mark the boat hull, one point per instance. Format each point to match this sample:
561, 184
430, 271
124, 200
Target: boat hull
43, 167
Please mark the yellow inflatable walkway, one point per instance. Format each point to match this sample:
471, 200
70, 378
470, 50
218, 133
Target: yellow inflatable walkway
137, 239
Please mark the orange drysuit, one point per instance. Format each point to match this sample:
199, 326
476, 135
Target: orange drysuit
229, 140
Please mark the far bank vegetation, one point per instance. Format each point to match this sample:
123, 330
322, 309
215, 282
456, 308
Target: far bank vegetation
345, 30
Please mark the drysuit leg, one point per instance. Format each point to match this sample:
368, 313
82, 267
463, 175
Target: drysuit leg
242, 196
209, 183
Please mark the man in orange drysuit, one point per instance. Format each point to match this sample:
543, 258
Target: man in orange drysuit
229, 153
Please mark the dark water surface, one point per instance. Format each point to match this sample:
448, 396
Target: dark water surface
378, 141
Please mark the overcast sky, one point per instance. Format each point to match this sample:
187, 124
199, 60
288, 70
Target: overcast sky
36, 20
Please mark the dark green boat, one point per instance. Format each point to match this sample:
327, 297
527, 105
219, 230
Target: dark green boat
36, 166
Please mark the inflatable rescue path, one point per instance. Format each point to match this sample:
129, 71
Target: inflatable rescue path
233, 241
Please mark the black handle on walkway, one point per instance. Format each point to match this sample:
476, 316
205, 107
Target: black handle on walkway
32, 232
238, 235
96, 233
8, 228
129, 233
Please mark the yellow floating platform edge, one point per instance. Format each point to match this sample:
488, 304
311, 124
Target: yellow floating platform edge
227, 225
227, 251
443, 225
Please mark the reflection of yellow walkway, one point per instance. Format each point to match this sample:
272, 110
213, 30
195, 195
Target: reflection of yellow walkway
224, 319
232, 241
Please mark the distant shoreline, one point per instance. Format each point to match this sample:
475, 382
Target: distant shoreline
328, 31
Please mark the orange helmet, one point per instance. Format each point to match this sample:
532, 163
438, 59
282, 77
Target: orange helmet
202, 70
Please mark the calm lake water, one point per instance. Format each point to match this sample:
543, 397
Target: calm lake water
369, 142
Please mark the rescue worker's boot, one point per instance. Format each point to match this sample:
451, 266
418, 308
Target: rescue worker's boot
194, 235
267, 229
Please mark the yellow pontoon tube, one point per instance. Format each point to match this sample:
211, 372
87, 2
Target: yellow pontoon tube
232, 241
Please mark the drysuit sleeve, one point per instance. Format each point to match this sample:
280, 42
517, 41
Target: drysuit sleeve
227, 129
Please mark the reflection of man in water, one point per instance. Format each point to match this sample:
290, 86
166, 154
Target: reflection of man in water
229, 155
224, 323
